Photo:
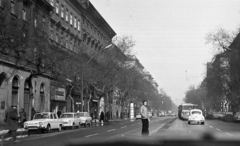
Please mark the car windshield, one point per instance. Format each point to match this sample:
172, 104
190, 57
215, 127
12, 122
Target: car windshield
66, 116
81, 114
196, 113
41, 116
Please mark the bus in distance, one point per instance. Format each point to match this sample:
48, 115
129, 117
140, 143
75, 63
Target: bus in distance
184, 109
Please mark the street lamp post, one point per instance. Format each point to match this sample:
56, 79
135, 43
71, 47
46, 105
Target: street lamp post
107, 47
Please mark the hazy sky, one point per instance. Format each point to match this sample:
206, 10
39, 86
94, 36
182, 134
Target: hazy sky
170, 35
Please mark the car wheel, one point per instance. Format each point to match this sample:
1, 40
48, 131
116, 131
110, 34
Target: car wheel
85, 125
189, 122
59, 128
202, 123
48, 128
42, 130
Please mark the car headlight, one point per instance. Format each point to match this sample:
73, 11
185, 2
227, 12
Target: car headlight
40, 124
70, 122
25, 124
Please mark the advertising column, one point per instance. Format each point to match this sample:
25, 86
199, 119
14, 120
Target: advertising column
131, 111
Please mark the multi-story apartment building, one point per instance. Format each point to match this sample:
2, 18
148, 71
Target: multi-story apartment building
71, 25
19, 19
76, 26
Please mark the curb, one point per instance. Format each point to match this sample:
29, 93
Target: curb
20, 134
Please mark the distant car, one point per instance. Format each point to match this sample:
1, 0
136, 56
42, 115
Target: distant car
138, 116
150, 114
85, 118
196, 116
70, 120
45, 122
237, 117
221, 115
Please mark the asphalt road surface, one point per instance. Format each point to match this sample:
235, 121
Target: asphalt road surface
160, 128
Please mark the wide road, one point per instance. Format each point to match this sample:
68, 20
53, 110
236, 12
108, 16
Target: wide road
160, 128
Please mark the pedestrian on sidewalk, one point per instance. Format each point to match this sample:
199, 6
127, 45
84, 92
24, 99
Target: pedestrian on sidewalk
12, 123
59, 113
145, 119
23, 118
101, 118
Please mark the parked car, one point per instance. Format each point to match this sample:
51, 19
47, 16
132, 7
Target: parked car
221, 115
209, 116
45, 121
196, 116
85, 118
215, 115
228, 118
70, 120
237, 117
138, 116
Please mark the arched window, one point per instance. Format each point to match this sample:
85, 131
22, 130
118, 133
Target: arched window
2, 78
15, 86
42, 97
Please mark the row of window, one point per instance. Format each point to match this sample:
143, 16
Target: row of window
71, 19
59, 9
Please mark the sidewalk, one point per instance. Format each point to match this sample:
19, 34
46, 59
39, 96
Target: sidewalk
21, 132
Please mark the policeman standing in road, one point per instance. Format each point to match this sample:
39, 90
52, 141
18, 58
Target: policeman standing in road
145, 119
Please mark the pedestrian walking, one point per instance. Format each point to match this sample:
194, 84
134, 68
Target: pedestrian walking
101, 118
145, 118
59, 113
23, 118
12, 123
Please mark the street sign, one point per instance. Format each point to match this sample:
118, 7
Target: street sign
78, 102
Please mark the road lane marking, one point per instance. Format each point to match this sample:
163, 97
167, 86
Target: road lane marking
228, 134
124, 127
218, 129
210, 126
91, 135
111, 130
